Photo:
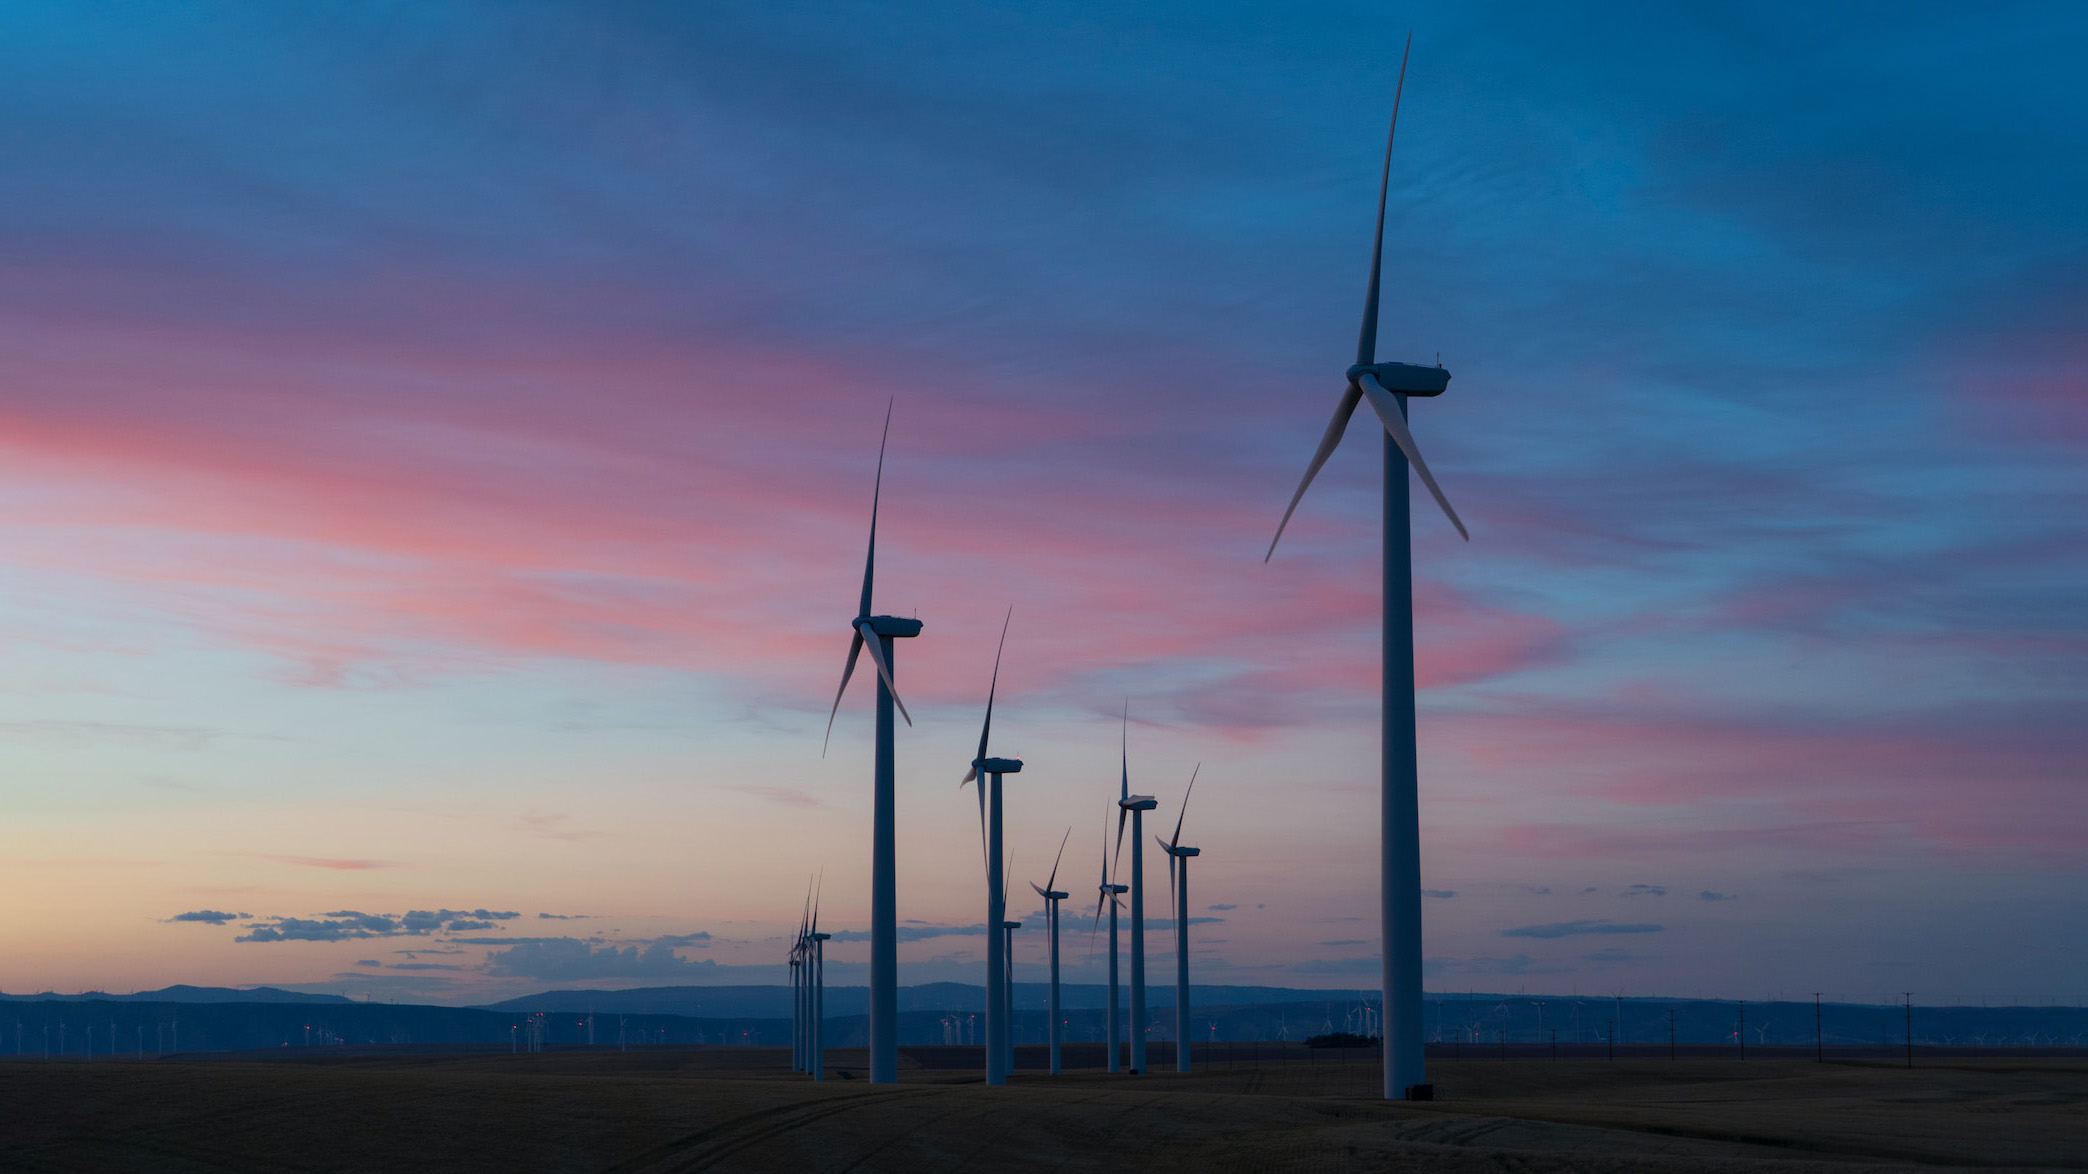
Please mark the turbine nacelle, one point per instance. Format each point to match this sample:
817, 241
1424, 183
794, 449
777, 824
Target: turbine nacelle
1138, 803
1119, 890
1052, 894
826, 937
1011, 925
897, 627
1404, 378
997, 766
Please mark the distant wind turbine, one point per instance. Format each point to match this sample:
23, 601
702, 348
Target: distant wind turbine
1052, 897
1107, 896
877, 633
989, 790
818, 942
1387, 387
1178, 858
1135, 806
799, 1051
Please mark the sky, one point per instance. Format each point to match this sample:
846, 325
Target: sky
436, 445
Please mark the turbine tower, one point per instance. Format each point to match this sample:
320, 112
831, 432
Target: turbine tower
1135, 806
1387, 386
1052, 897
1178, 886
996, 881
877, 633
1107, 896
1007, 992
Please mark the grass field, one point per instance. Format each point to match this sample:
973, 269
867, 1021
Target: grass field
729, 1109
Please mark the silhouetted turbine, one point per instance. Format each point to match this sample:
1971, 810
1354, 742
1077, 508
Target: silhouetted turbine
997, 1026
1178, 887
1387, 387
1052, 897
1135, 806
877, 633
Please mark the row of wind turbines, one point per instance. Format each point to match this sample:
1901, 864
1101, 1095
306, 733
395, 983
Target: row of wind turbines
1387, 387
807, 952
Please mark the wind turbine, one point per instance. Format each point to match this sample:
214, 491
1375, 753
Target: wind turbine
1387, 386
877, 633
1107, 896
797, 1010
996, 879
1052, 897
817, 1017
1178, 885
799, 1053
1135, 806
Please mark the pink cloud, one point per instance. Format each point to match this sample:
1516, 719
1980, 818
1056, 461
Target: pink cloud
1971, 778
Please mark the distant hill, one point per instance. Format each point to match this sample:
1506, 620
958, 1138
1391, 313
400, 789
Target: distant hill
183, 993
774, 1001
191, 1019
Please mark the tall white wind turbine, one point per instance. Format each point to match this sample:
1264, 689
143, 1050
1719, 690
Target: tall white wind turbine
877, 633
988, 771
1052, 897
1387, 387
1178, 857
1135, 806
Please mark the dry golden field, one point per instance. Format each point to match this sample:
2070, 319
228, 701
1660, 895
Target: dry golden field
742, 1110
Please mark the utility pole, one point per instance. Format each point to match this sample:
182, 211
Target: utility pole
1819, 1041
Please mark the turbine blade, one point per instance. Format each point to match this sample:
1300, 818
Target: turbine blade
1387, 409
1101, 889
884, 671
984, 859
1336, 428
876, 491
1366, 345
994, 685
1040, 892
1122, 815
1125, 791
1185, 808
855, 648
1053, 882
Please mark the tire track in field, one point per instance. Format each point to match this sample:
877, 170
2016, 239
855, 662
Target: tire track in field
705, 1147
